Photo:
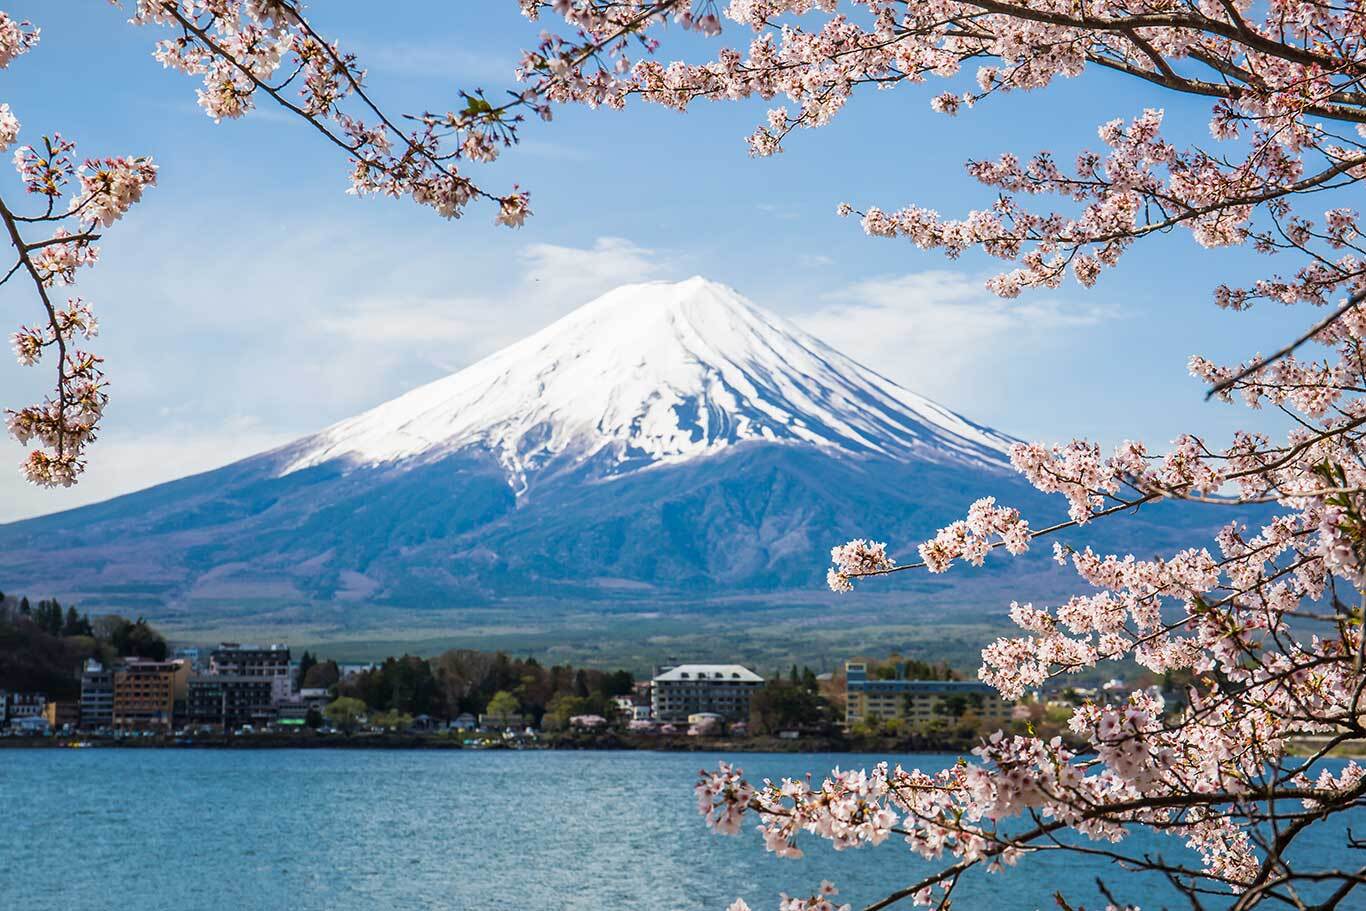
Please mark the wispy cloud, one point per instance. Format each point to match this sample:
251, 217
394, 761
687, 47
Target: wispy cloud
943, 334
548, 281
444, 61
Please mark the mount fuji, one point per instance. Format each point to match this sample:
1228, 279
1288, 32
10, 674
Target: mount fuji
667, 442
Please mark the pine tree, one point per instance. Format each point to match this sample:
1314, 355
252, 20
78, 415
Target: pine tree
306, 661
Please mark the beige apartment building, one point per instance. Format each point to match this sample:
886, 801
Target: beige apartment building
919, 702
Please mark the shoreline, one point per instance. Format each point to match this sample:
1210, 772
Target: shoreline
607, 742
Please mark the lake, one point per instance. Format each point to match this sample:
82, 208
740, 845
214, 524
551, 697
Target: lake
357, 830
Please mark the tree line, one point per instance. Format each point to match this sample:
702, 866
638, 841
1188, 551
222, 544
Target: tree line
467, 681
43, 645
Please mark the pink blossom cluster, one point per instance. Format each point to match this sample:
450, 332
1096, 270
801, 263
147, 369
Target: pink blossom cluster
723, 797
856, 558
9, 127
16, 38
971, 539
822, 900
110, 187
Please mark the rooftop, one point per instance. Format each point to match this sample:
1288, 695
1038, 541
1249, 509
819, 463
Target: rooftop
248, 647
919, 686
709, 672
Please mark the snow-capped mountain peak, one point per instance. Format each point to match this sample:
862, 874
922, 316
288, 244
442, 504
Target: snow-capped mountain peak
652, 374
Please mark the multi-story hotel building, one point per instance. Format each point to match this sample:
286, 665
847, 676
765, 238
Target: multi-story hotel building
230, 701
918, 701
145, 693
272, 661
691, 689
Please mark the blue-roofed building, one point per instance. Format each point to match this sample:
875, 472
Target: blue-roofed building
918, 701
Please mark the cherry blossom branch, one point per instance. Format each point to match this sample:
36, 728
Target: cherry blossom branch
1223, 385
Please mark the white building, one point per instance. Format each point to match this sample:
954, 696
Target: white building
233, 659
630, 710
690, 689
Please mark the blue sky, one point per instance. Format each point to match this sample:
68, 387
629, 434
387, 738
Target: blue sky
248, 300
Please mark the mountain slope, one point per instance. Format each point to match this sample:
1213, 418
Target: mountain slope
664, 443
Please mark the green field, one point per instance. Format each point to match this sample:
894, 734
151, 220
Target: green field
763, 637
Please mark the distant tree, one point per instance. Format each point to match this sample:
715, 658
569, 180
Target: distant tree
563, 707
321, 676
392, 720
48, 616
138, 639
75, 625
618, 683
782, 705
345, 714
306, 661
503, 705
34, 660
24, 606
313, 718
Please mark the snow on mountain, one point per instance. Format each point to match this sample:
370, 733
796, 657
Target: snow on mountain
654, 374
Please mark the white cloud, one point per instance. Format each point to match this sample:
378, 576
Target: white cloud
941, 333
551, 281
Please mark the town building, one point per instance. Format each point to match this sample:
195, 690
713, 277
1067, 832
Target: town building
291, 715
919, 702
631, 710
62, 713
16, 707
489, 722
30, 724
97, 696
690, 689
272, 661
314, 697
193, 654
230, 701
146, 692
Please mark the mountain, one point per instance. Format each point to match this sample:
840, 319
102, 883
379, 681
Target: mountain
665, 443
648, 376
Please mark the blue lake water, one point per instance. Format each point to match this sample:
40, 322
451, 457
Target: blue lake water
353, 830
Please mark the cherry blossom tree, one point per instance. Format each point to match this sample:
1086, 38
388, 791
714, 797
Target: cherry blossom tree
1266, 621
